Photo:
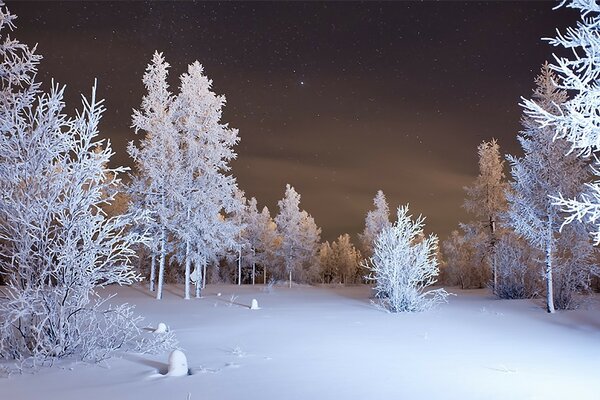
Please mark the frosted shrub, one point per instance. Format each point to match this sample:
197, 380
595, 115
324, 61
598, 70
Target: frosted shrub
403, 265
518, 276
57, 245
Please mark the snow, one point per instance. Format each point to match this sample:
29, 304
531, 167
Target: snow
161, 328
178, 365
330, 342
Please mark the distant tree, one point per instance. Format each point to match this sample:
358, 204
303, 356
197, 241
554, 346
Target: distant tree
375, 221
346, 259
577, 119
157, 159
327, 263
298, 233
518, 271
261, 236
404, 264
486, 199
545, 170
57, 245
464, 252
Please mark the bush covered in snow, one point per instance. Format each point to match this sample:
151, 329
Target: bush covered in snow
404, 264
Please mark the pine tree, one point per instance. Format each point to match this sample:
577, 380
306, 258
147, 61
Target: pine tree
545, 170
375, 221
157, 159
299, 236
486, 198
205, 192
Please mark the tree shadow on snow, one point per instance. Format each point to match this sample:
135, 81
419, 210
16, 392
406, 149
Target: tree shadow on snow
160, 367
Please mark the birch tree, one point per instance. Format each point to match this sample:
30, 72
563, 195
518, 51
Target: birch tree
577, 119
546, 169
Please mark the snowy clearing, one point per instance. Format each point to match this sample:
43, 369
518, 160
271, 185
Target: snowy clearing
330, 342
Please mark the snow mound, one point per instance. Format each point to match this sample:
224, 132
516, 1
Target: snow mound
162, 328
254, 305
178, 365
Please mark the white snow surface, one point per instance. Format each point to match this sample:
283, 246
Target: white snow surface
330, 342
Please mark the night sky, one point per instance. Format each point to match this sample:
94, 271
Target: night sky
337, 99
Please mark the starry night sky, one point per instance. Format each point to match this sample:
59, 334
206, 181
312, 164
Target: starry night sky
337, 99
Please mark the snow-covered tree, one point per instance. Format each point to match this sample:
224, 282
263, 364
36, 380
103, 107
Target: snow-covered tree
486, 198
157, 159
57, 245
205, 191
299, 236
327, 263
344, 260
375, 221
577, 120
518, 270
404, 265
261, 236
545, 170
464, 253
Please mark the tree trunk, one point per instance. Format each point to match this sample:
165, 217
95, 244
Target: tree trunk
161, 265
264, 275
290, 279
240, 266
153, 272
493, 243
188, 261
204, 274
548, 272
200, 279
253, 271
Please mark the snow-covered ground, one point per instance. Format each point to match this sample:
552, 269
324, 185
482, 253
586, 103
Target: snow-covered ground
331, 343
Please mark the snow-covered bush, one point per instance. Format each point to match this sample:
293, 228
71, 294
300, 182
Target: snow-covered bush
404, 265
518, 272
464, 254
57, 245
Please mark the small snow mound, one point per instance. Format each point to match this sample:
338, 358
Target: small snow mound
254, 305
162, 328
178, 365
218, 294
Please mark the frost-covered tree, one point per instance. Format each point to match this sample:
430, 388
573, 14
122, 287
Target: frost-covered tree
299, 236
577, 120
375, 221
518, 270
544, 170
157, 159
205, 190
404, 264
327, 263
261, 236
486, 198
57, 245
345, 258
464, 253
